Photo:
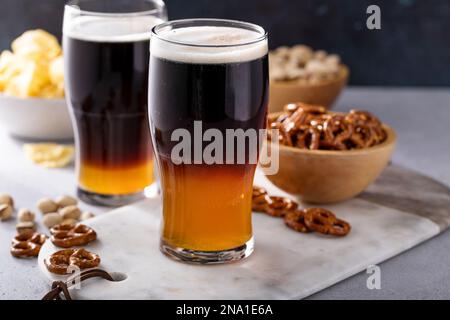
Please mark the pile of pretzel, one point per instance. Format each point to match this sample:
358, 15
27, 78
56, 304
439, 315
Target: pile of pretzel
301, 220
312, 127
28, 244
68, 236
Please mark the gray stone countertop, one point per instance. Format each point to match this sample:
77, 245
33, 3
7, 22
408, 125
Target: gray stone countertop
421, 118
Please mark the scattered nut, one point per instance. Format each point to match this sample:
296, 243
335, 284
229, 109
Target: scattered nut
333, 59
52, 219
320, 55
69, 221
6, 199
47, 205
25, 215
87, 215
70, 212
6, 212
65, 201
26, 226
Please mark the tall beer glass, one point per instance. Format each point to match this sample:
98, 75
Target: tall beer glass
206, 74
106, 50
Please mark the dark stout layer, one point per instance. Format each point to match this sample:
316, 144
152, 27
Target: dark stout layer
222, 96
108, 85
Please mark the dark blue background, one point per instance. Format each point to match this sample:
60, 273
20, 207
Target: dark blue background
412, 49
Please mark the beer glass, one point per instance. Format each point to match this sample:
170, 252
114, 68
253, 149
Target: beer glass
106, 52
207, 76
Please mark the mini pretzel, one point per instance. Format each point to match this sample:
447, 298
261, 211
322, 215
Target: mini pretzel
66, 236
308, 138
336, 132
304, 107
260, 199
258, 191
299, 114
283, 137
364, 136
359, 117
60, 261
34, 237
279, 206
340, 228
84, 259
325, 222
27, 245
296, 220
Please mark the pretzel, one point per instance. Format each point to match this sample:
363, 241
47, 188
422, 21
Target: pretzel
296, 220
84, 259
362, 117
313, 219
260, 199
304, 107
325, 222
308, 138
336, 132
66, 236
279, 206
60, 261
300, 114
368, 126
27, 244
258, 191
312, 127
363, 137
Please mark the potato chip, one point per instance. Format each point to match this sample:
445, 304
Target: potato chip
57, 71
34, 68
9, 68
6, 59
37, 45
52, 91
49, 155
29, 82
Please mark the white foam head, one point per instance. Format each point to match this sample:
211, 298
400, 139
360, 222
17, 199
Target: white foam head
110, 29
209, 44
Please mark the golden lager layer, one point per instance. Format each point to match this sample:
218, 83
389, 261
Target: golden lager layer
206, 208
116, 180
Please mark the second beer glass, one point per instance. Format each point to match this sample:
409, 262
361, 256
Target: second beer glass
206, 74
106, 49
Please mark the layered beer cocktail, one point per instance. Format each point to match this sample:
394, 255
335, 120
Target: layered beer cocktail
106, 48
207, 78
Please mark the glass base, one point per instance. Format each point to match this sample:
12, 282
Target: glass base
109, 200
207, 257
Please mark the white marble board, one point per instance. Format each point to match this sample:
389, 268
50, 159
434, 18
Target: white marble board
285, 264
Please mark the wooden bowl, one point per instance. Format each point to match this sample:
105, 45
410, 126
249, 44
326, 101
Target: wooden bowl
324, 93
327, 176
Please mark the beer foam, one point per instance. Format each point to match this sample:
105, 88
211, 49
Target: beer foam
109, 29
209, 45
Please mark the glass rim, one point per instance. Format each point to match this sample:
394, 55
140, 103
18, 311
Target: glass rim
72, 5
232, 23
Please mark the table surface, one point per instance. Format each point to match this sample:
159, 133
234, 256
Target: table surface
420, 116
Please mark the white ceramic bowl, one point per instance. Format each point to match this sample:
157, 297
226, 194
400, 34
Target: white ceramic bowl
35, 118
